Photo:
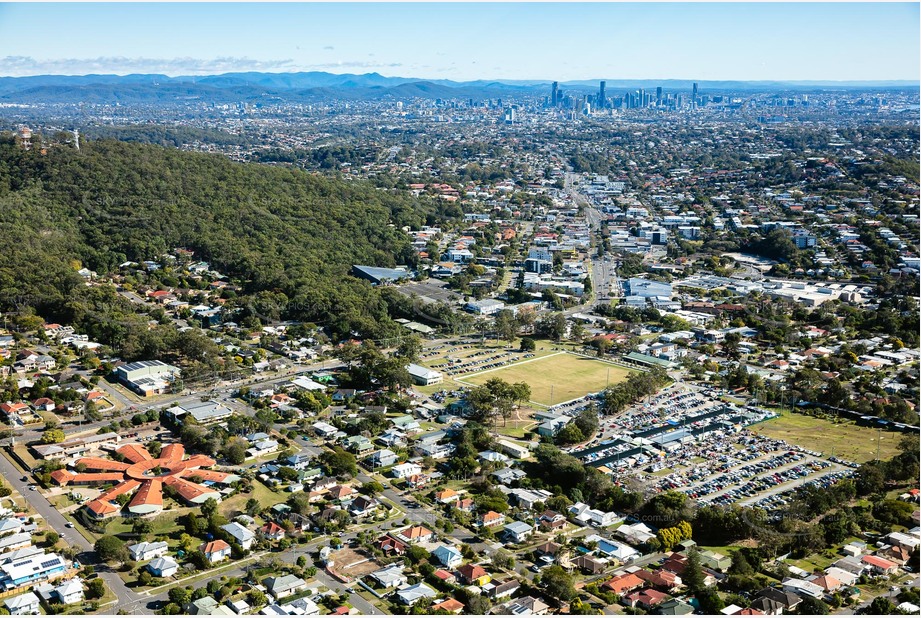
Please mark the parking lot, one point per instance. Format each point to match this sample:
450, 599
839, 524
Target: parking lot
431, 290
686, 439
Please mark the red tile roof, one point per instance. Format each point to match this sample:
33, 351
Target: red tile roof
134, 453
150, 494
214, 546
878, 562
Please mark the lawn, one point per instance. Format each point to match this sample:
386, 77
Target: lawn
557, 378
845, 439
544, 348
233, 506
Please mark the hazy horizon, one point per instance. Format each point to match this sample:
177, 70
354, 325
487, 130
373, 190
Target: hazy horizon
787, 42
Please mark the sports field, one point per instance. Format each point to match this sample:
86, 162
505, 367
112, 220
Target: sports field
569, 376
845, 440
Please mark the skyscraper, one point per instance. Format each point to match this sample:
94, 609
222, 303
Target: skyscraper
694, 93
602, 102
659, 95
555, 97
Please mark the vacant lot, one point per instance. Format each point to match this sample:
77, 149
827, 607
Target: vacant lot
845, 439
557, 378
352, 564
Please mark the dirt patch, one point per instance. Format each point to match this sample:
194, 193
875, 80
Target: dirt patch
353, 564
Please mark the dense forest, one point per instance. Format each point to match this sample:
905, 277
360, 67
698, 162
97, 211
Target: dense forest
165, 135
274, 229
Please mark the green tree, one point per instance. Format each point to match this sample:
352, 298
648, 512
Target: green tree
180, 596
253, 506
812, 607
53, 436
234, 451
557, 583
111, 549
693, 575
95, 589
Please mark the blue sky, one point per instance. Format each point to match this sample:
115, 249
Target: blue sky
563, 41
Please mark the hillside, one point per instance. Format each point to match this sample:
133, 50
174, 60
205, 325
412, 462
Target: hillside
274, 229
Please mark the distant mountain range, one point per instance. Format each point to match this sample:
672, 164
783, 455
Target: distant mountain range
255, 87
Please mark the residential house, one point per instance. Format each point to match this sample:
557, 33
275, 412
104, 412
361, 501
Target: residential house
363, 506
500, 590
517, 531
880, 566
416, 534
447, 496
527, 605
548, 549
205, 606
147, 551
551, 521
451, 606
803, 588
404, 470
852, 564
163, 566
624, 583
675, 607
715, 560
284, 585
390, 577
507, 476
34, 568
215, 551
491, 519
635, 534
272, 531
27, 604
590, 565
646, 599
786, 599
445, 576
473, 575
529, 498
241, 535
447, 556
391, 546
69, 592
411, 594
827, 583
382, 458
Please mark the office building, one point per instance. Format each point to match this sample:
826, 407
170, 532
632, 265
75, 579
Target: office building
555, 96
602, 101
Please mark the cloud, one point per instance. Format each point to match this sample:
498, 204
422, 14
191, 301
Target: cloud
329, 47
356, 64
19, 66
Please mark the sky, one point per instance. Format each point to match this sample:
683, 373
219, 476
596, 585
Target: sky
526, 41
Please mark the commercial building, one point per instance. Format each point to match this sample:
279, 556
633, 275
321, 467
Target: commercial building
147, 378
423, 375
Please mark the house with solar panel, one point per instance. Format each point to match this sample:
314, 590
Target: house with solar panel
36, 568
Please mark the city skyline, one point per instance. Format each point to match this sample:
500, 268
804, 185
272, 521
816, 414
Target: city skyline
545, 41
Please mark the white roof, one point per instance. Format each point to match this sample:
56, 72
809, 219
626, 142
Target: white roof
238, 532
24, 600
163, 563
